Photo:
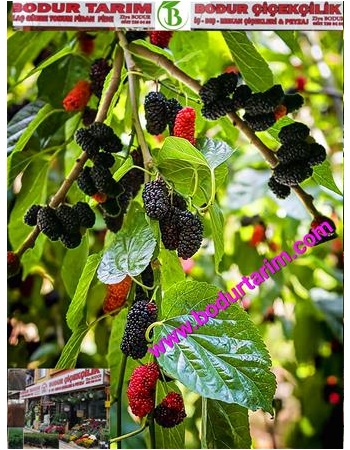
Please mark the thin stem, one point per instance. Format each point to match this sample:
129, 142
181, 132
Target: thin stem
142, 170
150, 328
132, 433
119, 395
204, 423
147, 158
195, 183
148, 288
267, 153
152, 431
60, 195
181, 94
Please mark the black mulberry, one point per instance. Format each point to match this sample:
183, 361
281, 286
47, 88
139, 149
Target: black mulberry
86, 183
85, 214
103, 159
113, 223
179, 202
156, 199
111, 207
102, 178
292, 174
169, 231
296, 131
280, 190
293, 151
140, 316
31, 216
87, 141
98, 71
293, 102
317, 154
190, 234
240, 97
155, 112
88, 116
172, 108
71, 240
260, 122
49, 224
68, 218
217, 109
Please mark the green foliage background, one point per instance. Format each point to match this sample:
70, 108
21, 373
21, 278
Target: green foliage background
59, 292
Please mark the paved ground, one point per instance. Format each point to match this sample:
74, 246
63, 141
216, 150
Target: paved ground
63, 444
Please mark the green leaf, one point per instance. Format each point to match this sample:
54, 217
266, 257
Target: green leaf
251, 64
75, 313
171, 269
32, 257
217, 228
323, 176
47, 62
24, 123
33, 191
130, 253
230, 348
215, 152
289, 38
187, 50
179, 161
169, 437
73, 265
66, 72
23, 48
70, 352
123, 169
227, 425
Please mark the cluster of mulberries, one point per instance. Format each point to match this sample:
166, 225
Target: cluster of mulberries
141, 395
140, 316
217, 95
116, 295
78, 97
160, 112
99, 69
221, 95
63, 223
99, 142
296, 158
180, 229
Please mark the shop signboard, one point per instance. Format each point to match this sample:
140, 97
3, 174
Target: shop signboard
69, 381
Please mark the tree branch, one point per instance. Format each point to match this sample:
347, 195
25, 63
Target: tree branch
130, 64
60, 195
267, 153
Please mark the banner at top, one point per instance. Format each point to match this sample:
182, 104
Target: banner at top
178, 15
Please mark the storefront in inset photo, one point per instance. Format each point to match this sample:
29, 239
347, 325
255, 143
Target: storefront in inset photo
71, 404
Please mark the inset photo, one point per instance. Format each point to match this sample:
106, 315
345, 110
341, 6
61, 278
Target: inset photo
67, 408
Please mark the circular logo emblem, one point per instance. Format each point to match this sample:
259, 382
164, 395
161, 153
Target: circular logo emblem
172, 15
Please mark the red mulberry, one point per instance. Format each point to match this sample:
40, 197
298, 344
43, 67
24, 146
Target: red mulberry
160, 38
185, 124
141, 389
78, 97
116, 295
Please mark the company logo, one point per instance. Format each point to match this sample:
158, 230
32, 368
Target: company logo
173, 15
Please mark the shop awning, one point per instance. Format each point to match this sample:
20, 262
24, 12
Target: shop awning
72, 380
